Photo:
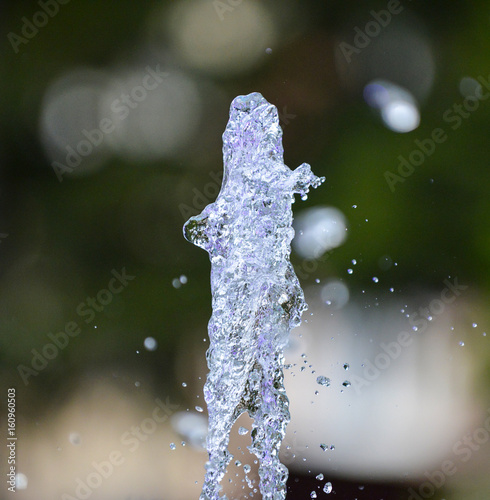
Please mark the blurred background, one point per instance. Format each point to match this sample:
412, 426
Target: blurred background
111, 122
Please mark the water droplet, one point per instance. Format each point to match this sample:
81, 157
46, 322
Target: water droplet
176, 283
322, 380
172, 446
350, 271
320, 477
332, 447
150, 344
361, 487
313, 494
375, 279
183, 279
75, 438
324, 446
242, 431
199, 409
184, 384
238, 463
268, 50
354, 261
137, 384
474, 325
247, 468
461, 343
21, 481
346, 383
317, 281
346, 366
392, 290
183, 443
328, 488
354, 206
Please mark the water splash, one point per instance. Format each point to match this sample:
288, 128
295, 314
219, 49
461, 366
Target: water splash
256, 296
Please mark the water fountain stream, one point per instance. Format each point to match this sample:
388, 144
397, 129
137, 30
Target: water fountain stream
256, 296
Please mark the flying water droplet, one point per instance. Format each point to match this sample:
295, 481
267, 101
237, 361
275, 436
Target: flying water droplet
328, 488
75, 438
150, 344
172, 446
242, 431
320, 477
21, 481
322, 380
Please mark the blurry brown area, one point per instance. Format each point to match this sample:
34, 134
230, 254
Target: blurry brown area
111, 124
